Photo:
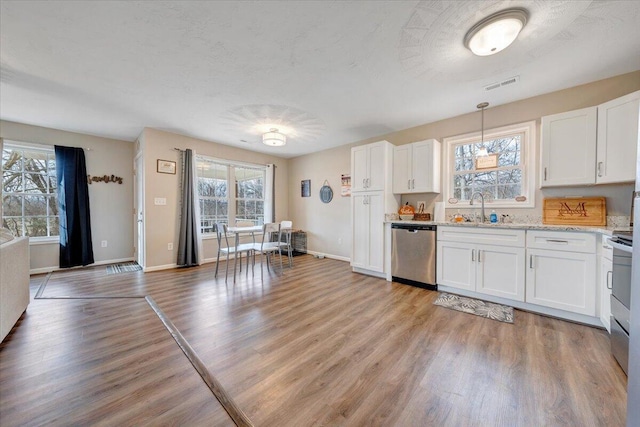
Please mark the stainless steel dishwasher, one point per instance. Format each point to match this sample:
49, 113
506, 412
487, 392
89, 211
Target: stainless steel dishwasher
413, 254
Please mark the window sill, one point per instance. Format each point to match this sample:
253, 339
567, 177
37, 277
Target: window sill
33, 241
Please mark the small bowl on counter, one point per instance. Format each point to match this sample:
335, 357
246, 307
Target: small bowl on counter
406, 217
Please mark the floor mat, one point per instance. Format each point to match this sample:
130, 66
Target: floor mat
502, 313
123, 268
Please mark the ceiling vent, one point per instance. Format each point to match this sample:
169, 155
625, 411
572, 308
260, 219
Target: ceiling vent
506, 82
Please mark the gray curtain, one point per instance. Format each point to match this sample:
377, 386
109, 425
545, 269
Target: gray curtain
270, 194
188, 254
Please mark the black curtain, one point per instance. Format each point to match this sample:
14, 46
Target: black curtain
188, 237
76, 247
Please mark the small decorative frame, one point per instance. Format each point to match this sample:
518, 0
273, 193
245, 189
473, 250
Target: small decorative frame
305, 188
345, 186
487, 162
166, 166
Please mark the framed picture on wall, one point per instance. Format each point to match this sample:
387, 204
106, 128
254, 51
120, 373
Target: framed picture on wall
345, 185
305, 188
166, 166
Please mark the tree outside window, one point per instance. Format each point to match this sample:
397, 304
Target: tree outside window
249, 195
218, 204
509, 184
29, 192
501, 183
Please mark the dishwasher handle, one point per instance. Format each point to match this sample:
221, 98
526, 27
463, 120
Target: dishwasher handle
414, 228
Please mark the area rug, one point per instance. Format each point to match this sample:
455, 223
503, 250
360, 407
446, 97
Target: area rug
480, 308
123, 268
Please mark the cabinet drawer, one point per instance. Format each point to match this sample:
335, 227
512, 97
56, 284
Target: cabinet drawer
498, 237
566, 241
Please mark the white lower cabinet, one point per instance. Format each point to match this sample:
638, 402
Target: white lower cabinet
454, 266
554, 272
500, 272
558, 277
487, 269
606, 272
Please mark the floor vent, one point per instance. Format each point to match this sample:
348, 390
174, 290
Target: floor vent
506, 82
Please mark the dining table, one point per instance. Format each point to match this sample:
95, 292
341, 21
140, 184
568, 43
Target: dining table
238, 231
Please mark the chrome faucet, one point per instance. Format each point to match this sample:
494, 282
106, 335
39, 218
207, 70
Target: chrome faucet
477, 193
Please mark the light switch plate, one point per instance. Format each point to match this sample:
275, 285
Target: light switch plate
160, 201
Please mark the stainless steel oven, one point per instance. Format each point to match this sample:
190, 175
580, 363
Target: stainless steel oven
622, 243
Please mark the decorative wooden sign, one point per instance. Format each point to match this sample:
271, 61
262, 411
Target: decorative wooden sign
104, 178
487, 162
575, 211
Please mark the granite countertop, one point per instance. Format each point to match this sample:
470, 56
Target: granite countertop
592, 229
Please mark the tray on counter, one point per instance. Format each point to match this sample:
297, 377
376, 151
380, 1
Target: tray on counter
575, 211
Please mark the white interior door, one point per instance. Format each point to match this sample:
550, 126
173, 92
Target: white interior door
138, 170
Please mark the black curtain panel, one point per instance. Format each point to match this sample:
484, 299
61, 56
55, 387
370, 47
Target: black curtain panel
188, 238
76, 247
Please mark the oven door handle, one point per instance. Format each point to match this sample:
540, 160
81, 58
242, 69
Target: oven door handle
621, 247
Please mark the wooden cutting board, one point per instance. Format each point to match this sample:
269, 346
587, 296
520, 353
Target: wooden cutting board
575, 211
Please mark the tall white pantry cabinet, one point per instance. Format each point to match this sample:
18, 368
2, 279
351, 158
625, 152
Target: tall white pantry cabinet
371, 197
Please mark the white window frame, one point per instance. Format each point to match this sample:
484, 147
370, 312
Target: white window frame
231, 187
527, 156
49, 149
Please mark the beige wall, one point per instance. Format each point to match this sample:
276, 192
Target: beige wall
328, 225
111, 204
331, 163
162, 222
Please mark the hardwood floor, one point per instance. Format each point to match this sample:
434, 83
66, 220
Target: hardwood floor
318, 345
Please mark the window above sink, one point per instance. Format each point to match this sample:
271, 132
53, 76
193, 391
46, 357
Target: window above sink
508, 182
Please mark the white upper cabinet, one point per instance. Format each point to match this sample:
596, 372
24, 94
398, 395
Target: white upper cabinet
595, 145
568, 148
618, 139
416, 167
368, 166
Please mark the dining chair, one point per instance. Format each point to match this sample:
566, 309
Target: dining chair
286, 228
227, 249
267, 247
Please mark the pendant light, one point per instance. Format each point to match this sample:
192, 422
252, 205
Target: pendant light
482, 151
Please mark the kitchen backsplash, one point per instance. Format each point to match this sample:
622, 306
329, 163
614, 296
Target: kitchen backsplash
612, 221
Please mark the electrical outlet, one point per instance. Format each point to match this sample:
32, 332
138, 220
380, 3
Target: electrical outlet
339, 240
103, 243
169, 246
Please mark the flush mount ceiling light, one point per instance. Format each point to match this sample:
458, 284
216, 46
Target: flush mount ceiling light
496, 32
482, 151
273, 138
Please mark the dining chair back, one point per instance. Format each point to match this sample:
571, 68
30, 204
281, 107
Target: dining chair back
286, 228
222, 236
268, 247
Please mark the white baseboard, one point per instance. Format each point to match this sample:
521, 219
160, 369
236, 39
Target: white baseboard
368, 272
160, 267
57, 268
338, 257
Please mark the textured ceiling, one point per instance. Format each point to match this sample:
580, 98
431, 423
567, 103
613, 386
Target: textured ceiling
325, 72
